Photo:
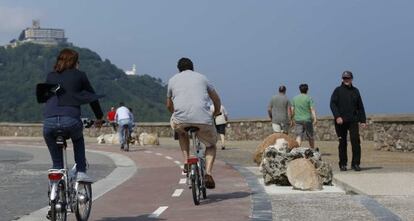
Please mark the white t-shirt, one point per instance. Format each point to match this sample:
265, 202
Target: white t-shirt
122, 113
189, 92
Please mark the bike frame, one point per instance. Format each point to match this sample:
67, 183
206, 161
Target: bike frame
70, 185
197, 165
199, 156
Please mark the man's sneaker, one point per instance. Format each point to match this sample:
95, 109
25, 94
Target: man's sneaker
83, 177
342, 168
210, 184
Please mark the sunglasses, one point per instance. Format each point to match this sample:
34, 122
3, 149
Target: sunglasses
347, 78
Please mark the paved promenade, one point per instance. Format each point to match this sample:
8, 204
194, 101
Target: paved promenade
147, 184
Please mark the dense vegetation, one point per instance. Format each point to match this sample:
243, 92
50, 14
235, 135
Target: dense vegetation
21, 68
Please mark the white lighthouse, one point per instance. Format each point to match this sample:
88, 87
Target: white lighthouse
133, 71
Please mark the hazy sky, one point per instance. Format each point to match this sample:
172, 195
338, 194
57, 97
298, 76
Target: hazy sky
246, 48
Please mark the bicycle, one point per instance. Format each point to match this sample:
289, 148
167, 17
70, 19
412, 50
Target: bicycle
197, 167
65, 193
126, 135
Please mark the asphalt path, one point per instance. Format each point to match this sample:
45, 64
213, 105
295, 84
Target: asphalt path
23, 177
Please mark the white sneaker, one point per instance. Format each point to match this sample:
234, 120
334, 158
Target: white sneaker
83, 177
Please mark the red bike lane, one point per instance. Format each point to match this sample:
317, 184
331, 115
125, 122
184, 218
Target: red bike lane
155, 193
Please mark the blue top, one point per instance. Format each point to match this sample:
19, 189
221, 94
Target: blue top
52, 109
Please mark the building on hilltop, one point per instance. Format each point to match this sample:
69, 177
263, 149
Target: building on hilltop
133, 71
38, 35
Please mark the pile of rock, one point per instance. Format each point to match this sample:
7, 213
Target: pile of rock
300, 167
271, 140
141, 139
148, 139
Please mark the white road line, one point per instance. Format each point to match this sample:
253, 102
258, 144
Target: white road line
158, 212
182, 166
177, 192
168, 157
148, 151
183, 181
158, 154
177, 162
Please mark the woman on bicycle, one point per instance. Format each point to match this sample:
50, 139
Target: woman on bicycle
62, 110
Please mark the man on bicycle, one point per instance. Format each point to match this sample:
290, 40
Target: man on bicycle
123, 117
188, 97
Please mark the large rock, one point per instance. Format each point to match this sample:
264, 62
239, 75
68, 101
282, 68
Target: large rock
302, 175
271, 140
148, 139
108, 139
276, 158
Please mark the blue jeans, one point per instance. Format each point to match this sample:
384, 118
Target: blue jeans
73, 127
121, 124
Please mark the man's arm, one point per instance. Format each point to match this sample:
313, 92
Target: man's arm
334, 104
269, 112
170, 105
313, 111
361, 110
216, 101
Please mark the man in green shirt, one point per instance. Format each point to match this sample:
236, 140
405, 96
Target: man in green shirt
304, 115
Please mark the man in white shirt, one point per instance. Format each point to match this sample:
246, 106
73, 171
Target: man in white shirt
188, 97
123, 117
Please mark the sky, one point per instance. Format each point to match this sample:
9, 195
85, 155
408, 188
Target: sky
246, 48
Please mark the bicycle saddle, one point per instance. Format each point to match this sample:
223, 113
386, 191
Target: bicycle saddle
192, 129
61, 134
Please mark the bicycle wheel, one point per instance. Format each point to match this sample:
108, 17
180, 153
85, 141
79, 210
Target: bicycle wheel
202, 183
126, 138
83, 201
58, 206
195, 184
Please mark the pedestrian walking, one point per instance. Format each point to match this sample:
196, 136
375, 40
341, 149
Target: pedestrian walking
280, 112
304, 115
110, 116
221, 123
348, 111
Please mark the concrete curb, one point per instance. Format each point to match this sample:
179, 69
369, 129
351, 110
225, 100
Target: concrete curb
125, 169
261, 203
346, 187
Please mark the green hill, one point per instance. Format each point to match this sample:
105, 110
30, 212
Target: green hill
21, 68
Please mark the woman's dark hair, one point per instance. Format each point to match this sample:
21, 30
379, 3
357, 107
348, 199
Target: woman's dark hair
282, 89
185, 64
303, 88
67, 59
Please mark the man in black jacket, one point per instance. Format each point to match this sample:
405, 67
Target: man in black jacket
348, 110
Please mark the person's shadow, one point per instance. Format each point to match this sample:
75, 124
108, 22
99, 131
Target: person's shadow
131, 218
214, 198
371, 168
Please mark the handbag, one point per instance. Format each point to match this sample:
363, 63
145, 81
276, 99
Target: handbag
44, 91
220, 119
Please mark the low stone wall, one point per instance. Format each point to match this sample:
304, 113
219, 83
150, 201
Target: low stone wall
389, 132
258, 129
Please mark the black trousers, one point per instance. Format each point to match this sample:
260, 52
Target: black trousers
342, 132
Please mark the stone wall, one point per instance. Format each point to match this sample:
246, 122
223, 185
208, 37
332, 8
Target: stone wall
389, 132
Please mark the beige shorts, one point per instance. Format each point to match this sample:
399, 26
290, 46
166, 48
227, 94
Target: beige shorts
206, 133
